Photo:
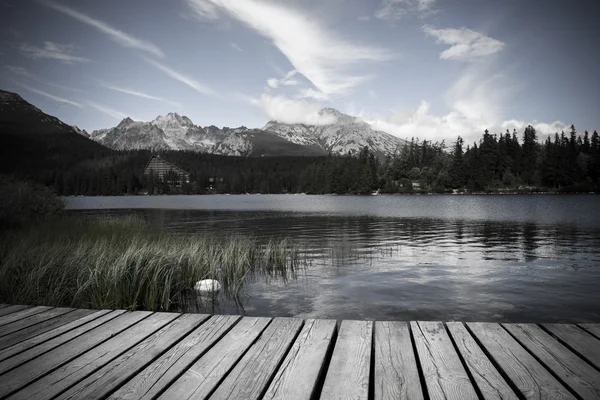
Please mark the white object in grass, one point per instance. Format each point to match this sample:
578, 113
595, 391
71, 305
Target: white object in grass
207, 286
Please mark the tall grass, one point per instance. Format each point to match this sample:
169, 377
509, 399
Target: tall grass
123, 263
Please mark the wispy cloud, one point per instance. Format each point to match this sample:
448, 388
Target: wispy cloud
396, 9
289, 111
235, 46
115, 34
194, 84
23, 73
109, 111
53, 51
50, 96
319, 55
140, 94
285, 81
465, 43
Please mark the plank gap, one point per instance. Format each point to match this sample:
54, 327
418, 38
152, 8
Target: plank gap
371, 393
419, 366
564, 343
316, 395
588, 331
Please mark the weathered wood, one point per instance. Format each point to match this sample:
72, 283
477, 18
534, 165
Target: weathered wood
55, 332
30, 370
594, 329
16, 316
349, 369
79, 368
42, 326
12, 309
32, 320
252, 374
3, 305
299, 373
579, 340
569, 368
206, 373
490, 382
444, 374
524, 371
396, 373
162, 372
103, 382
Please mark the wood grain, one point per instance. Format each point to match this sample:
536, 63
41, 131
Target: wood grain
206, 373
568, 367
33, 369
396, 372
16, 316
102, 382
42, 338
297, 377
579, 340
31, 320
524, 371
594, 329
11, 309
153, 379
252, 374
444, 374
74, 371
349, 369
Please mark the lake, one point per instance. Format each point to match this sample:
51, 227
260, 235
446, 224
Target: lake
509, 258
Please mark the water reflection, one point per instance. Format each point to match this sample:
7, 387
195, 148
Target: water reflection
384, 268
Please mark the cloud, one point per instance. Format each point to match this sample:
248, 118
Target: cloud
316, 53
23, 73
542, 128
116, 35
109, 111
310, 93
285, 81
235, 46
50, 96
194, 84
141, 94
52, 51
289, 111
465, 43
396, 9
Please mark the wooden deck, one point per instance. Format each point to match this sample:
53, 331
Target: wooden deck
64, 353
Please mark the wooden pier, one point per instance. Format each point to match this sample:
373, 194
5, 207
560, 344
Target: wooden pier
64, 353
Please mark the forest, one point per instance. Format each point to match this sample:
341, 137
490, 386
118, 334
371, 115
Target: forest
496, 163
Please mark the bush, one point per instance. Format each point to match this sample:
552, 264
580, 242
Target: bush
22, 202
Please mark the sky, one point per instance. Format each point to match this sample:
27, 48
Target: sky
429, 69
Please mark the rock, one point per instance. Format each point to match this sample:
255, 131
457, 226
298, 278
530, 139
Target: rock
207, 286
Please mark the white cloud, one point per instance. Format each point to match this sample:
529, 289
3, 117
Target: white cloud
52, 51
141, 94
310, 93
110, 111
465, 43
194, 84
274, 83
396, 9
50, 96
116, 35
542, 128
316, 53
23, 73
235, 46
289, 111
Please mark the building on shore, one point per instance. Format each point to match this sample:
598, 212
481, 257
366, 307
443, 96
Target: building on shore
169, 175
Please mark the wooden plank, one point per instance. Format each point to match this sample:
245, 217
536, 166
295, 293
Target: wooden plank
11, 309
579, 340
490, 382
594, 329
444, 374
32, 320
32, 342
348, 373
568, 367
206, 373
299, 373
33, 369
524, 371
163, 371
61, 379
3, 305
396, 373
41, 327
104, 381
15, 316
252, 374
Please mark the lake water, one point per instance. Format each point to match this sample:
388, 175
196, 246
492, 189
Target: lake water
510, 258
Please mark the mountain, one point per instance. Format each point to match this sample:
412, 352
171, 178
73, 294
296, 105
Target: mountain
346, 135
132, 135
82, 132
259, 143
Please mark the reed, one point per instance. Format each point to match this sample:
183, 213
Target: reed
123, 263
